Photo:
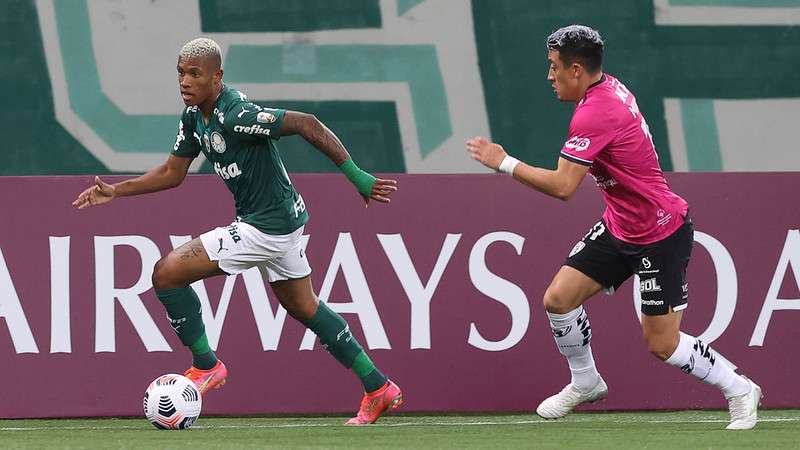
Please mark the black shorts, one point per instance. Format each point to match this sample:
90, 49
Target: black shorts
661, 266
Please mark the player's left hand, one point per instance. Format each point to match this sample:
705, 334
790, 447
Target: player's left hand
381, 191
486, 152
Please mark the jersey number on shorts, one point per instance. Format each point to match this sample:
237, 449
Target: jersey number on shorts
595, 231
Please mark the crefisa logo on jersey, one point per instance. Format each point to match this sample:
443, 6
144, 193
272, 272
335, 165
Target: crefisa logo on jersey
217, 142
253, 129
578, 143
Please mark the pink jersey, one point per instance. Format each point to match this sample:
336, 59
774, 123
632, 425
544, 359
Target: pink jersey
608, 133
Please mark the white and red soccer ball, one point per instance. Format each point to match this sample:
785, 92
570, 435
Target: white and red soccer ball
172, 402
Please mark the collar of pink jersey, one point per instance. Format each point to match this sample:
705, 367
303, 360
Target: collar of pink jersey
602, 79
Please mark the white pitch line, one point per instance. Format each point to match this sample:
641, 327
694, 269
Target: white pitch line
402, 424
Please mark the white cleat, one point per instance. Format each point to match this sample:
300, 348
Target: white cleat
744, 408
561, 404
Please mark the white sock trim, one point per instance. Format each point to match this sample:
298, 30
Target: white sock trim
560, 320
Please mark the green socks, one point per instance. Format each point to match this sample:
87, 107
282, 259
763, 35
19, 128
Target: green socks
335, 336
370, 376
183, 309
202, 356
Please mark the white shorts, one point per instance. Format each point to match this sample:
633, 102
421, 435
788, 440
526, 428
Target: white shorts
240, 246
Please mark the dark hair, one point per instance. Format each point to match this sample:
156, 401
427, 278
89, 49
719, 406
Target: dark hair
578, 43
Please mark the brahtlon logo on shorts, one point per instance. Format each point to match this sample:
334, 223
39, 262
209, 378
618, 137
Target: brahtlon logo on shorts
653, 302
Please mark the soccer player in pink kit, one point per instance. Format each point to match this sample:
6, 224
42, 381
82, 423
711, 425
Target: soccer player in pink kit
645, 230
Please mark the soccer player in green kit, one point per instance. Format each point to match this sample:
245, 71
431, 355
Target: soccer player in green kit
238, 138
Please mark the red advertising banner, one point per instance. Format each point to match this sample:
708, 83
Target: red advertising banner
443, 287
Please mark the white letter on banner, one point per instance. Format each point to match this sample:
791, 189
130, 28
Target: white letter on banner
106, 294
11, 309
344, 256
789, 255
419, 295
60, 335
269, 325
499, 289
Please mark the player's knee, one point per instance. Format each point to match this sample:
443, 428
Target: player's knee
162, 275
300, 308
555, 302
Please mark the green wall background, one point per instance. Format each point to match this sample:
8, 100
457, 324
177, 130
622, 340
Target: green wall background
691, 63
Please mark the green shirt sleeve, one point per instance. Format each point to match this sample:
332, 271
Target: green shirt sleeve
187, 143
247, 120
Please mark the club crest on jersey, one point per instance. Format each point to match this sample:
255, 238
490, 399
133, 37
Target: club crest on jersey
217, 142
578, 143
265, 117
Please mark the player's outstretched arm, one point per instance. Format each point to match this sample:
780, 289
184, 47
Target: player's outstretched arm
560, 183
165, 176
324, 140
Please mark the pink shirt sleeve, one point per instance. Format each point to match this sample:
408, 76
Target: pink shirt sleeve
590, 132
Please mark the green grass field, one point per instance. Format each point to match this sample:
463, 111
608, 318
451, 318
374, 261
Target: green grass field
679, 430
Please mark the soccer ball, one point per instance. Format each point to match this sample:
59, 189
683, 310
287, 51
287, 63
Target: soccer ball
172, 402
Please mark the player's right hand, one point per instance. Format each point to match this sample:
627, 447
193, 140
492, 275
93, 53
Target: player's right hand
98, 194
486, 152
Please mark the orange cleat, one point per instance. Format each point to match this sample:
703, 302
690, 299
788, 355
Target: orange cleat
375, 403
206, 379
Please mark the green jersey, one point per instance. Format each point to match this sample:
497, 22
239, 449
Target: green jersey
239, 142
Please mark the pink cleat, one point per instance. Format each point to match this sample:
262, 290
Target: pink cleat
206, 379
375, 403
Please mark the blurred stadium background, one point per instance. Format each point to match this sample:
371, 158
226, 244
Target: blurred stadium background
91, 90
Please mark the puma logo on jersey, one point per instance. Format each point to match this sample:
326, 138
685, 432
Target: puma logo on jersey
242, 113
